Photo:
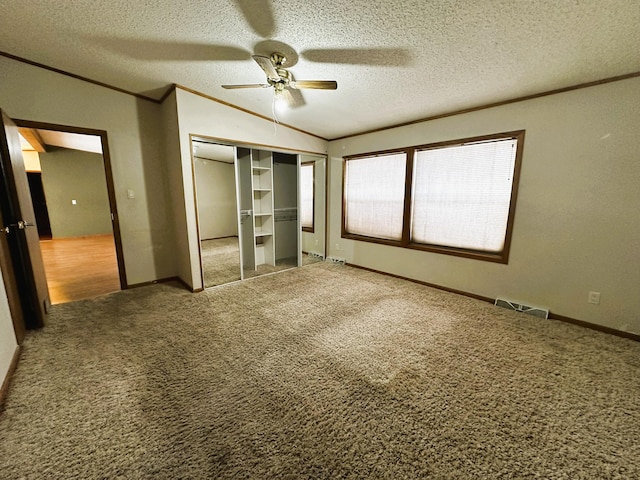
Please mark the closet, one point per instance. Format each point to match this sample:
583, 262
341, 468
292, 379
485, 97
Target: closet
268, 210
285, 191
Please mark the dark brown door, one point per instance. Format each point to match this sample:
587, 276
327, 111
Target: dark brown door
39, 204
18, 215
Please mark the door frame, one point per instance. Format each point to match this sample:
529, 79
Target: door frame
106, 160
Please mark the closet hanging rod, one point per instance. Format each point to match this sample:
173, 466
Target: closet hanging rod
286, 209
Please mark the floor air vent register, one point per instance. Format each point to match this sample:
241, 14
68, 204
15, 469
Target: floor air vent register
518, 307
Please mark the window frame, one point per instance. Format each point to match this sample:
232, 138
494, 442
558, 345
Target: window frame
405, 242
311, 229
365, 238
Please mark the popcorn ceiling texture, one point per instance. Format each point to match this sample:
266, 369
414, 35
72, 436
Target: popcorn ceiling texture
319, 372
429, 57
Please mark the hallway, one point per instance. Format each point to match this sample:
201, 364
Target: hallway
80, 267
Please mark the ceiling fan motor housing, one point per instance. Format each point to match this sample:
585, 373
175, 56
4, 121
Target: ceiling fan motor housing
278, 59
283, 82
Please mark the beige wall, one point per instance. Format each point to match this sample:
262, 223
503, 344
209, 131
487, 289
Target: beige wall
134, 132
31, 161
8, 342
75, 175
206, 118
577, 227
216, 193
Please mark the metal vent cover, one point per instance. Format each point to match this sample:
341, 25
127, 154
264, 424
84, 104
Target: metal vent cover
518, 307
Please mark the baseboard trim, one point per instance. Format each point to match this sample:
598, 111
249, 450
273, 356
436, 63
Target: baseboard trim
161, 280
553, 316
7, 379
426, 284
595, 326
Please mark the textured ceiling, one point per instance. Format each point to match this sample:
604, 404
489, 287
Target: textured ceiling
394, 61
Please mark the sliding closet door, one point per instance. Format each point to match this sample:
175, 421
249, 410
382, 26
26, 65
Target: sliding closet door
245, 215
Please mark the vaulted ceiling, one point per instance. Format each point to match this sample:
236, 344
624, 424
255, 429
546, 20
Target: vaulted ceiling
394, 61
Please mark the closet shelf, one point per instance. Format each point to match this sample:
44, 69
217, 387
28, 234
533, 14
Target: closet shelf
259, 233
262, 214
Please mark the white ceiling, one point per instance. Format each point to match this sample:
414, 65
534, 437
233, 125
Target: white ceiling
394, 61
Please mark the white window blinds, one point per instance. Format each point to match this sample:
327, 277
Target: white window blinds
306, 195
461, 195
374, 196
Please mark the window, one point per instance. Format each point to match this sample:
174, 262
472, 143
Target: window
307, 187
454, 197
374, 190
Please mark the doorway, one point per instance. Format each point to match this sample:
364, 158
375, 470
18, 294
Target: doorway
73, 196
39, 205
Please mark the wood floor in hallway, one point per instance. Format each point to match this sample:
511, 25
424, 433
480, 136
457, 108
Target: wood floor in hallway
80, 267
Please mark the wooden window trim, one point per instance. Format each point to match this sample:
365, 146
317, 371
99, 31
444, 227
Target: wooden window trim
364, 238
497, 257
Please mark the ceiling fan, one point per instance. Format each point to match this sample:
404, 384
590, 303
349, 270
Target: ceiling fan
282, 80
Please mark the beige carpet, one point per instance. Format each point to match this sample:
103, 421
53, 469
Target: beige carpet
220, 261
281, 264
320, 372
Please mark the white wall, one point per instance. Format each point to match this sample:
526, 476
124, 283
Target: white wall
207, 118
216, 194
577, 226
8, 342
134, 131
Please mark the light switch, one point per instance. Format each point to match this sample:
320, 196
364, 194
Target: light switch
131, 194
73, 202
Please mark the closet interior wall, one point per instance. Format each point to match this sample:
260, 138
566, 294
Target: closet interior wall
285, 190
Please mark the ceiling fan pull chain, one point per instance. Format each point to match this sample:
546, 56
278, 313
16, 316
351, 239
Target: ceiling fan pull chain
275, 117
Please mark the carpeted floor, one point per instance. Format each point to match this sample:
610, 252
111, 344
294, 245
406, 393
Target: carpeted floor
321, 372
220, 261
281, 264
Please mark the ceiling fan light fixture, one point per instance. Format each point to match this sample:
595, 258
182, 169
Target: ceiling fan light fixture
280, 103
285, 87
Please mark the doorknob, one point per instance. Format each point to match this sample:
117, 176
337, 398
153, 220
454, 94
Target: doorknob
22, 224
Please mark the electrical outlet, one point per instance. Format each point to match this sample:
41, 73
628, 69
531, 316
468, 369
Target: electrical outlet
337, 246
316, 242
594, 298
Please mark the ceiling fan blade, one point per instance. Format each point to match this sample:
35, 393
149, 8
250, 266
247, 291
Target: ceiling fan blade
259, 16
267, 66
249, 85
293, 98
316, 84
392, 57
